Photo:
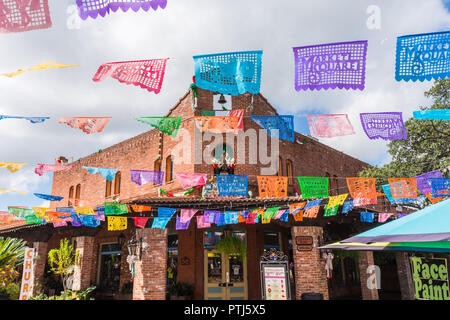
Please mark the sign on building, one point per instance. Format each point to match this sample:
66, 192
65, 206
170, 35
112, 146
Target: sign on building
430, 277
275, 283
27, 281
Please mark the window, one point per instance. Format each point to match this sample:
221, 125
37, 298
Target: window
272, 240
69, 203
157, 166
117, 181
280, 166
223, 151
289, 171
108, 188
169, 169
77, 194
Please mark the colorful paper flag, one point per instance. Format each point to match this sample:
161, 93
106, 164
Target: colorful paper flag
93, 8
348, 205
313, 187
181, 225
403, 188
19, 16
362, 187
217, 124
90, 220
272, 186
388, 194
311, 212
422, 57
189, 180
164, 212
330, 210
231, 217
440, 187
43, 168
283, 123
187, 214
201, 223
115, 208
86, 124
40, 211
382, 217
328, 66
15, 191
423, 182
141, 177
117, 223
167, 125
84, 210
42, 66
31, 119
435, 114
140, 222
232, 185
337, 200
229, 73
48, 197
106, 173
384, 125
329, 125
366, 217
12, 166
139, 208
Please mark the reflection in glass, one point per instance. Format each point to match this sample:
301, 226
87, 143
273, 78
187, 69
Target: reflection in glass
236, 269
211, 238
214, 267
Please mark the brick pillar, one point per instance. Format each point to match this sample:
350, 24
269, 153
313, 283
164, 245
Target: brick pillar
40, 250
309, 268
151, 272
82, 275
366, 260
404, 276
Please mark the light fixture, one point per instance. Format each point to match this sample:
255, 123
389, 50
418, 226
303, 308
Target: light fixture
135, 247
222, 99
121, 240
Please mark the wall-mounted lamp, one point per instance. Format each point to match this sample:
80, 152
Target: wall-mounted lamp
135, 247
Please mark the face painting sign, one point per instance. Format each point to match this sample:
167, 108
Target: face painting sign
430, 277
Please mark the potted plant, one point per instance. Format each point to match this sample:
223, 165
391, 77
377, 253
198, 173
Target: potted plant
232, 245
180, 291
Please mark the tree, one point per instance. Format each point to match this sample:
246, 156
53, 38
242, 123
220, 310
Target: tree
63, 260
12, 253
427, 147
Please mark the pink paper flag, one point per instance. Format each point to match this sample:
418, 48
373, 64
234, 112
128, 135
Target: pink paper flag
43, 168
24, 15
148, 74
190, 180
329, 125
382, 217
187, 214
87, 124
59, 224
201, 224
238, 113
140, 222
279, 213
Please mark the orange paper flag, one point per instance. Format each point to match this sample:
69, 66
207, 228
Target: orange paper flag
403, 187
218, 124
272, 186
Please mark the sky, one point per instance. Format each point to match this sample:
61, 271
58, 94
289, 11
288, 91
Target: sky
181, 30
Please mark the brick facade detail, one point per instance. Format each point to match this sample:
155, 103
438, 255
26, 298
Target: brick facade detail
404, 276
38, 264
82, 275
366, 260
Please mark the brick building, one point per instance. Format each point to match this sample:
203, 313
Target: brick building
190, 253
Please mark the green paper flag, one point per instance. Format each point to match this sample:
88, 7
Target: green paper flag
269, 214
168, 125
332, 211
313, 187
115, 208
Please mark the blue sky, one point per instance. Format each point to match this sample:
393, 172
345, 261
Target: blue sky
184, 29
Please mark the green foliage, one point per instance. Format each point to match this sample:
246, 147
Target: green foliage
12, 252
232, 246
427, 147
69, 295
10, 290
342, 254
180, 289
63, 260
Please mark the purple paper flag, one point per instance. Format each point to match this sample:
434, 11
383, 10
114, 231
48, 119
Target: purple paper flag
423, 182
211, 216
180, 225
141, 177
333, 65
93, 8
384, 125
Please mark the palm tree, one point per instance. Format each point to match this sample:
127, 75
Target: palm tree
12, 252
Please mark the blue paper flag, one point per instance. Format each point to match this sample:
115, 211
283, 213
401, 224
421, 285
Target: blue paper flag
284, 124
76, 222
423, 56
48, 197
285, 216
31, 119
231, 217
388, 192
107, 173
435, 114
312, 203
100, 210
440, 187
166, 213
220, 219
229, 73
160, 223
367, 216
232, 185
90, 220
348, 205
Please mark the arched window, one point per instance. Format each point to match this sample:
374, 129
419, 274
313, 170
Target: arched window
157, 167
280, 166
117, 181
108, 188
69, 203
169, 169
289, 171
77, 194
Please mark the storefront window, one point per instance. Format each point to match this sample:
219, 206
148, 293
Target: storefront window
109, 272
271, 240
172, 258
214, 267
210, 238
236, 269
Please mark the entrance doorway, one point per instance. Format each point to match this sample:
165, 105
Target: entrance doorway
108, 272
225, 276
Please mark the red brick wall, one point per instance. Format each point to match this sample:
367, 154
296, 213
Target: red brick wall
38, 264
309, 269
404, 275
82, 276
366, 260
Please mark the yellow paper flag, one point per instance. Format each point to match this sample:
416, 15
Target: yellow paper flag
84, 210
337, 200
5, 191
117, 223
40, 211
12, 166
42, 66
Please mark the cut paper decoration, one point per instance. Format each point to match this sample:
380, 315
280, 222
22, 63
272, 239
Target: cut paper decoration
44, 168
433, 200
42, 66
382, 217
140, 222
231, 217
93, 8
141, 177
329, 125
423, 182
75, 220
84, 210
48, 197
147, 74
220, 219
90, 221
232, 185
59, 224
229, 73
313, 203
311, 212
187, 214
313, 187
139, 208
86, 124
422, 56
283, 123
328, 66
19, 16
20, 212
12, 166
269, 214
367, 217
242, 216
403, 188
337, 200
294, 208
330, 210
209, 216
201, 223
40, 211
33, 220
217, 124
272, 186
15, 191
117, 223
166, 212
388, 194
6, 218
285, 216
401, 215
440, 187
362, 187
181, 225
167, 125
31, 119
238, 113
280, 213
189, 180
435, 114
358, 202
384, 125
106, 173
115, 208
348, 205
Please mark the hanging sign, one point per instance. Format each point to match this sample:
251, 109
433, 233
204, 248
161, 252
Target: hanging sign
25, 290
430, 277
275, 283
